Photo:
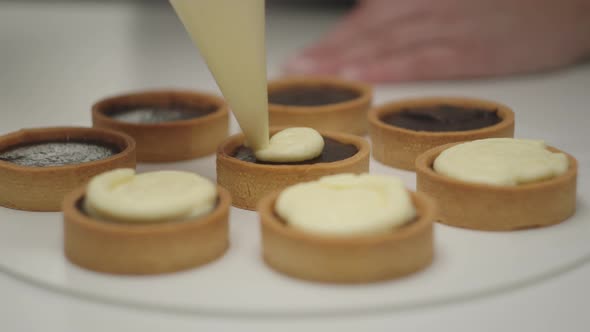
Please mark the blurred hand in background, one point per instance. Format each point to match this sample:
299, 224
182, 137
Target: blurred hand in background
409, 40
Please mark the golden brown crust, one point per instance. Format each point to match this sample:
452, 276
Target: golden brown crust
168, 141
357, 259
348, 117
498, 208
399, 147
249, 182
43, 188
144, 249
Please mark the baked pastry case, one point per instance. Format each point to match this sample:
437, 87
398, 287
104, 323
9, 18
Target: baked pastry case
67, 56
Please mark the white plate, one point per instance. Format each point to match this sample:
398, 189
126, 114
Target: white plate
467, 264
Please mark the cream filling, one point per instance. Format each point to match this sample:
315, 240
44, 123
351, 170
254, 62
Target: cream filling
501, 162
346, 204
121, 195
292, 145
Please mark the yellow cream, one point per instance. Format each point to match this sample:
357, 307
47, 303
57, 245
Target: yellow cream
292, 145
501, 162
346, 204
121, 195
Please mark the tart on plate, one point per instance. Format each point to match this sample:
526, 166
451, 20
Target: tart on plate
248, 179
402, 130
322, 103
96, 238
39, 166
348, 247
484, 206
168, 125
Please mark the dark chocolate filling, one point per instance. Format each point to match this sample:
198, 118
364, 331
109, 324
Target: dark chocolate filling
333, 151
145, 114
58, 153
311, 96
442, 118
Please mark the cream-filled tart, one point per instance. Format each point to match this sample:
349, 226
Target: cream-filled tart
150, 223
322, 103
168, 125
248, 178
39, 166
402, 130
347, 228
499, 184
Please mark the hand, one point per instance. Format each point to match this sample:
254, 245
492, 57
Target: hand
408, 40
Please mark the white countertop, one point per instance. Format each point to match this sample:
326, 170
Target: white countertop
57, 59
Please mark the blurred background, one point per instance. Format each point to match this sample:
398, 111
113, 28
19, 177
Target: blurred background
66, 54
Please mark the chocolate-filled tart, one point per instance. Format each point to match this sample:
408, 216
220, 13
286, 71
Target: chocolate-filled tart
168, 125
248, 180
402, 130
498, 208
38, 167
351, 259
120, 248
322, 103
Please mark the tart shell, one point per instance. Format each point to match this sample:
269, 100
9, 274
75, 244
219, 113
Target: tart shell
120, 248
399, 147
248, 182
498, 208
357, 259
173, 140
43, 188
348, 117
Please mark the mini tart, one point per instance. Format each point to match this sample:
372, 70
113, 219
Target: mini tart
357, 259
399, 147
498, 208
167, 141
248, 182
348, 116
121, 248
43, 188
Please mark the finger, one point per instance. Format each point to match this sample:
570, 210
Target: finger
436, 61
369, 18
386, 41
364, 23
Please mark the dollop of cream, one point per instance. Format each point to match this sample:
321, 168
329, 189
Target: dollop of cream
292, 145
346, 204
122, 196
501, 162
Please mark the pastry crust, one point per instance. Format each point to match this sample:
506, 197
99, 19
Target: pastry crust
399, 147
168, 141
498, 208
357, 259
120, 248
348, 117
43, 188
249, 182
